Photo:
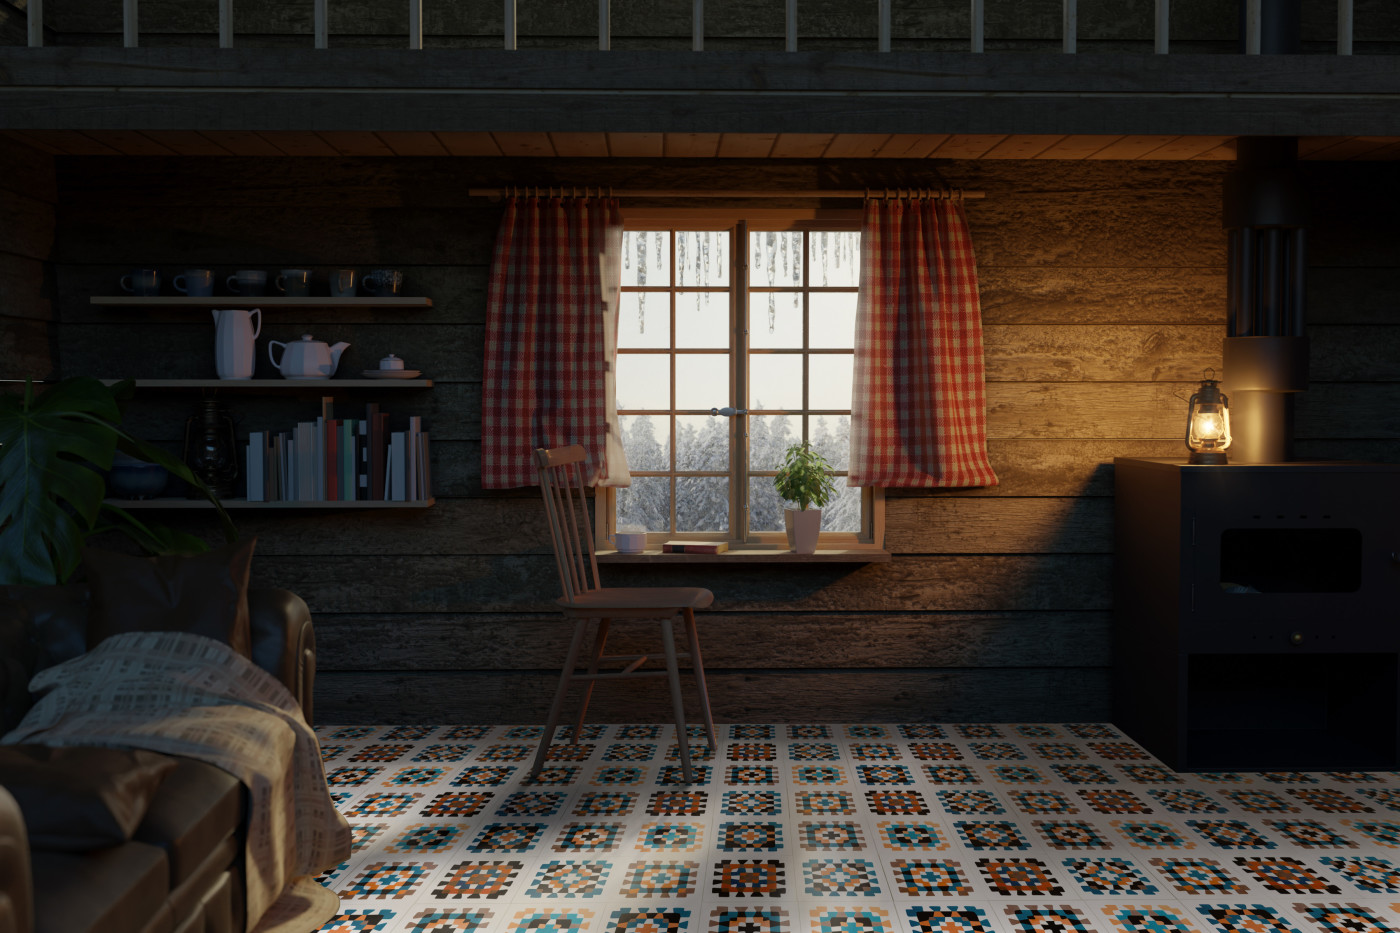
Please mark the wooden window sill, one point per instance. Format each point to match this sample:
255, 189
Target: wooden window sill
771, 556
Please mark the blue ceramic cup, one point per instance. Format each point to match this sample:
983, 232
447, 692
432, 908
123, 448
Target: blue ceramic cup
143, 282
197, 283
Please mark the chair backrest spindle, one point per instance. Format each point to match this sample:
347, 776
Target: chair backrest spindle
566, 507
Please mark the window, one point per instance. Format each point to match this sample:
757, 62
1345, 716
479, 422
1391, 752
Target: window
750, 314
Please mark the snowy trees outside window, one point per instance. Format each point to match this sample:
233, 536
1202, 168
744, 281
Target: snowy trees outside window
687, 335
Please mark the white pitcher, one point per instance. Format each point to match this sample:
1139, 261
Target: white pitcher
234, 333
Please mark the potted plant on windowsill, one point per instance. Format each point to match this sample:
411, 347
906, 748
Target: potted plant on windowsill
55, 447
805, 479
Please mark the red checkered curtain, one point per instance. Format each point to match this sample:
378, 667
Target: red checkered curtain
551, 338
918, 410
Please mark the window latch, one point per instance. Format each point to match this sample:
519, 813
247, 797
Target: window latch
728, 412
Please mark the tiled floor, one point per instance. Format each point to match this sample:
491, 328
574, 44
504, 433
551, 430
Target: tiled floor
899, 828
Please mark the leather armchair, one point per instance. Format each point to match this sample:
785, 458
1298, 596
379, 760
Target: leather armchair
183, 869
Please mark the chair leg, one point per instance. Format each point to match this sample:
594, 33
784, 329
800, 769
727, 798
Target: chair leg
698, 665
565, 676
599, 640
668, 642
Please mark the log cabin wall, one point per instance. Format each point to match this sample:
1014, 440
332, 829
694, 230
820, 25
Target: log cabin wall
1103, 300
27, 316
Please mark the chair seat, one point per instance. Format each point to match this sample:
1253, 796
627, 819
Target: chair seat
636, 600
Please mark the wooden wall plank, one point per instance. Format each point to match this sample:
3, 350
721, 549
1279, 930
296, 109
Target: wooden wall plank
779, 696
356, 144
855, 145
911, 145
241, 143
1071, 294
746, 145
580, 145
26, 287
414, 144
469, 144
187, 143
690, 145
1093, 353
635, 145
26, 348
966, 146
729, 640
1078, 147
1079, 525
298, 143
1021, 146
26, 225
518, 583
1132, 147
800, 145
28, 170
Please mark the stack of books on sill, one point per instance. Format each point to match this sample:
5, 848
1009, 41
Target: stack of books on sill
340, 460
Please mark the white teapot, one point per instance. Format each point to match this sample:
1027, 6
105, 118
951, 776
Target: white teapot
306, 358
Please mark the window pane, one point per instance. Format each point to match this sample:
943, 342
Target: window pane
833, 321
843, 512
769, 437
835, 257
647, 502
646, 439
765, 508
702, 380
702, 257
702, 442
831, 437
645, 259
775, 258
829, 375
702, 320
775, 320
775, 381
643, 381
644, 320
702, 503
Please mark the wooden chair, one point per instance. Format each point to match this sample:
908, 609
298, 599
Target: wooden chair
586, 600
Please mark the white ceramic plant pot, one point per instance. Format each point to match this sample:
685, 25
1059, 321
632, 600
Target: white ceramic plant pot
803, 525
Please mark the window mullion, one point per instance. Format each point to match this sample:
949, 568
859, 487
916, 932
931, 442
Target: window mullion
739, 367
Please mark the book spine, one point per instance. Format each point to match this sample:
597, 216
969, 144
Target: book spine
254, 470
415, 427
398, 466
329, 472
318, 453
307, 481
425, 473
363, 461
347, 460
693, 549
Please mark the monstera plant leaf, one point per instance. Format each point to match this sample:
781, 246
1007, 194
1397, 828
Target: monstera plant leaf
53, 449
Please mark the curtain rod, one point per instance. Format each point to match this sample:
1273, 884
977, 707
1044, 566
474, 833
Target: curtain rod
950, 194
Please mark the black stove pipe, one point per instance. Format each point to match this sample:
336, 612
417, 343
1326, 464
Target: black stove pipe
1266, 350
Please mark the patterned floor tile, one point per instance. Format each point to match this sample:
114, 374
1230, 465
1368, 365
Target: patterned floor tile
846, 828
953, 919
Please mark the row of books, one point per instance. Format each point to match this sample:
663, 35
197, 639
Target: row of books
340, 460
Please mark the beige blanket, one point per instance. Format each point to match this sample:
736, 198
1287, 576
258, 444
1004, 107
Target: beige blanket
189, 695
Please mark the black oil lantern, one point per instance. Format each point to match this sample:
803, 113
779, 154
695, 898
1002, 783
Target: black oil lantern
1208, 422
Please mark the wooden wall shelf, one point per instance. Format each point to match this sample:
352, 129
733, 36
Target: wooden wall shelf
291, 385
231, 504
268, 302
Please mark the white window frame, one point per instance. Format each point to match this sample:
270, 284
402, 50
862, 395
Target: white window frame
740, 223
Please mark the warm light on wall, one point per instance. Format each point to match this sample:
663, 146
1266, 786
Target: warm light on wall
1208, 423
